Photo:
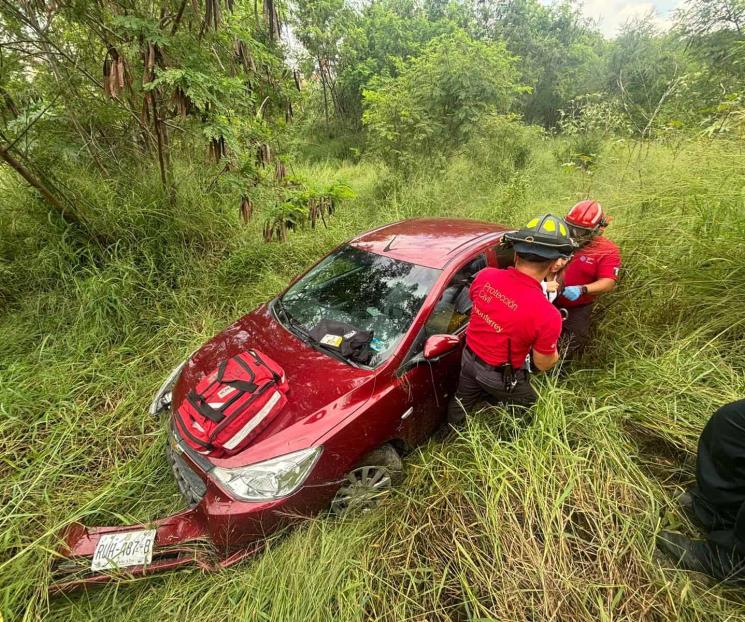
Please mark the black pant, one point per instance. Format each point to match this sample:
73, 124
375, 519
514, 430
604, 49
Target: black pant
478, 381
575, 332
719, 494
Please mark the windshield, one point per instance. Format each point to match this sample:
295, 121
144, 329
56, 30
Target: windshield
368, 291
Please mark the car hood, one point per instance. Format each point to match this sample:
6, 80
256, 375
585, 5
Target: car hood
321, 388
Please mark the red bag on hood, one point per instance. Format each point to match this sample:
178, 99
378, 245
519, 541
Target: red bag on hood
232, 404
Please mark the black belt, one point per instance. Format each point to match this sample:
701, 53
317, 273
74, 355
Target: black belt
483, 362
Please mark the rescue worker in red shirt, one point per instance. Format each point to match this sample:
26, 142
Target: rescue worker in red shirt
511, 318
593, 270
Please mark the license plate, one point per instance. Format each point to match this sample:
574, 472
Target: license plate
119, 550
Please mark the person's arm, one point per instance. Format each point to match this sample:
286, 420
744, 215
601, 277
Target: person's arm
601, 286
607, 273
544, 362
545, 348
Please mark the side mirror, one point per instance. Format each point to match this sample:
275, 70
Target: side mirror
437, 345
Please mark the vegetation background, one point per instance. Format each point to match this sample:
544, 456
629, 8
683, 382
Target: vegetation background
166, 165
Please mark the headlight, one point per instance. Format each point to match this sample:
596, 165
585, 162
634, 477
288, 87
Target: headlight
271, 479
163, 397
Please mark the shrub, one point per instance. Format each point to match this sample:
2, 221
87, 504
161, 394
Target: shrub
436, 102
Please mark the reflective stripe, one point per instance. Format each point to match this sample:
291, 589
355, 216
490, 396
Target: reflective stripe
253, 422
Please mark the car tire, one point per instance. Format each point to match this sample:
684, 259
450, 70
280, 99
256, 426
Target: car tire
369, 482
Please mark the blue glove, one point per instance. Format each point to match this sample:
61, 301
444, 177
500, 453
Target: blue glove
572, 292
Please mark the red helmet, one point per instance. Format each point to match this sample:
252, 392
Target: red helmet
587, 215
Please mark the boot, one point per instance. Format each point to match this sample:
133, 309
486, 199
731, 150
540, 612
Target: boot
685, 553
685, 503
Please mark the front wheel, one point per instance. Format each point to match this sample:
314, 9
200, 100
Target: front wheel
365, 486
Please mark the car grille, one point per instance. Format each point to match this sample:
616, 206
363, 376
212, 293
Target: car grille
192, 486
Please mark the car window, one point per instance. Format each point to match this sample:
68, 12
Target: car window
453, 309
367, 291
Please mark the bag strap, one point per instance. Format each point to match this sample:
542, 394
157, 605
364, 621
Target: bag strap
203, 408
245, 386
262, 362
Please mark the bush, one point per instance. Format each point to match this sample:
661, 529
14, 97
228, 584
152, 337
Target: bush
436, 102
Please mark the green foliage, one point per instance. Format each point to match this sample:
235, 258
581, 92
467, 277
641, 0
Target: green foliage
561, 56
594, 472
435, 103
168, 157
503, 146
379, 43
301, 204
348, 47
179, 79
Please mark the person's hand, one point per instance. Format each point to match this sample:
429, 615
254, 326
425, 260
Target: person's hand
552, 286
572, 292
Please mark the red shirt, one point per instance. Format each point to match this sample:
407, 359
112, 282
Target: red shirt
600, 259
508, 304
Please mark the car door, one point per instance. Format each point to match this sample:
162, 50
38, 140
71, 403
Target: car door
423, 388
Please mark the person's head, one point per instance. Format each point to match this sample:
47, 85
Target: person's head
539, 266
543, 245
586, 220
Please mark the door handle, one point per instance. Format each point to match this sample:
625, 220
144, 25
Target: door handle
407, 414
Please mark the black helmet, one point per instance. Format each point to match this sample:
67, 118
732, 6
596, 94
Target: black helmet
546, 236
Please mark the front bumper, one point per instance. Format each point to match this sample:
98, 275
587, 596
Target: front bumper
215, 532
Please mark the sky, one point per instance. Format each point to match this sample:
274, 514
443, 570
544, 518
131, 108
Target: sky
612, 14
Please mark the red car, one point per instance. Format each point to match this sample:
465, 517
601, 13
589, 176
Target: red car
339, 440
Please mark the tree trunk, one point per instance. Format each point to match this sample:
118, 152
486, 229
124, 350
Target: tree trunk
67, 215
162, 157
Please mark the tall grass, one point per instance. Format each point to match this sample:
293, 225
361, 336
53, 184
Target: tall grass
542, 519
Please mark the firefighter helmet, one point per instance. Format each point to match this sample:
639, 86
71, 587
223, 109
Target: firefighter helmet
587, 215
546, 236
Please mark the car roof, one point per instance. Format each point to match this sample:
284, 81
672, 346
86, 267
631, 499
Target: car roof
431, 242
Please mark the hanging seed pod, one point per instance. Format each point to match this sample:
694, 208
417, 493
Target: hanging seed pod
246, 209
312, 212
263, 155
207, 14
106, 78
178, 102
296, 77
212, 153
217, 14
113, 87
271, 19
120, 71
244, 56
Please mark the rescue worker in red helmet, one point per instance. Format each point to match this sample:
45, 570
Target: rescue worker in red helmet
594, 270
511, 317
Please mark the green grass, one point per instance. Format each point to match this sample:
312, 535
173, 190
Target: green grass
551, 518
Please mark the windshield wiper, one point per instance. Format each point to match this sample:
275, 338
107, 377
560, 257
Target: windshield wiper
300, 330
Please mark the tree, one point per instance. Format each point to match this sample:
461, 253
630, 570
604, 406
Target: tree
320, 25
646, 71
435, 103
125, 81
561, 55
